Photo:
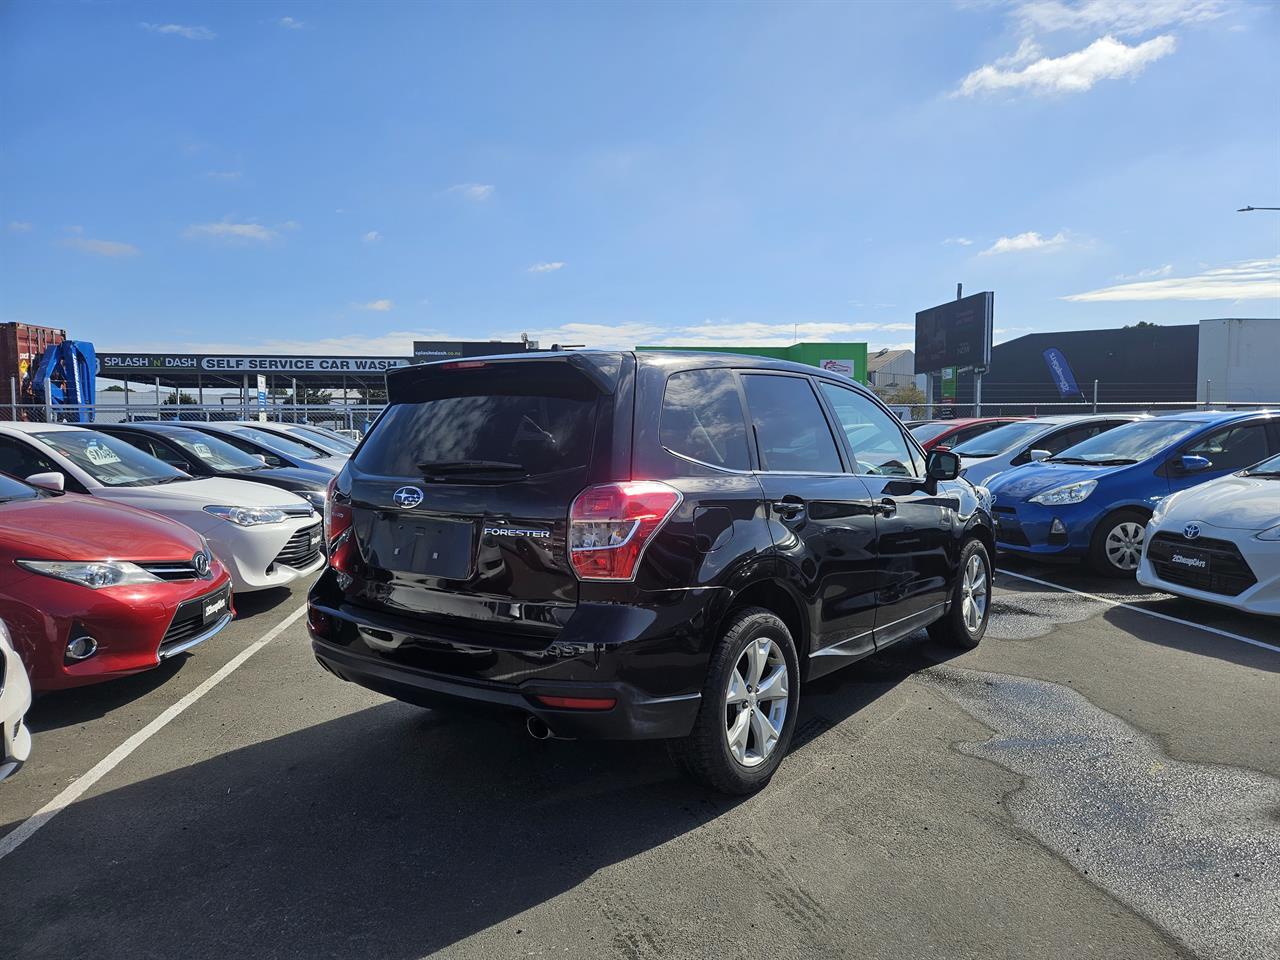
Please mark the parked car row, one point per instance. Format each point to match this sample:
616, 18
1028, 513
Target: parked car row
1187, 502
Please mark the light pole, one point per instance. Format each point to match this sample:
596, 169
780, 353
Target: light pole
1251, 209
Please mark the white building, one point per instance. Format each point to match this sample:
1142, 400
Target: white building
1239, 361
894, 368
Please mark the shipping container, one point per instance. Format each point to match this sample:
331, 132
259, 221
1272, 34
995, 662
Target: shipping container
21, 347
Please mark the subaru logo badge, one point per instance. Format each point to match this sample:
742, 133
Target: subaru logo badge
1191, 531
200, 563
407, 497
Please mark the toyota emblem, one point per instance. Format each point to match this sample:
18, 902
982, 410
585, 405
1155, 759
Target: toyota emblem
1191, 531
200, 563
407, 497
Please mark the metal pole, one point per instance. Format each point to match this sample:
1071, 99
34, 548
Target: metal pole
1095, 396
294, 395
13, 398
48, 401
977, 394
200, 389
126, 401
1208, 394
157, 398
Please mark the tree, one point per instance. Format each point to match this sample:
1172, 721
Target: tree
1140, 323
175, 397
310, 397
902, 395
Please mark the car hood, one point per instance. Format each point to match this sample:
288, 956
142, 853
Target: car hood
1233, 503
287, 477
197, 494
76, 527
1024, 482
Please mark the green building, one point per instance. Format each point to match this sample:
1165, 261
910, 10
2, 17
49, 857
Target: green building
847, 358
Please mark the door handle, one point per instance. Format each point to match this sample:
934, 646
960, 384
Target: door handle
789, 509
887, 507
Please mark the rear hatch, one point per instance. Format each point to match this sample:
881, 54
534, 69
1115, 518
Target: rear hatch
460, 494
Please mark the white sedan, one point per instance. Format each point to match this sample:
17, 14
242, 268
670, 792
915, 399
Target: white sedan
1220, 541
264, 536
15, 699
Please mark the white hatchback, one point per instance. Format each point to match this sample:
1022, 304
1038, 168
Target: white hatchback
264, 536
1220, 541
15, 700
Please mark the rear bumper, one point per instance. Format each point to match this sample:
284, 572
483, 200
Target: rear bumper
650, 657
635, 716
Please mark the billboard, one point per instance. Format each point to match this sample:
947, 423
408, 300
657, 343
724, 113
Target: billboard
955, 334
122, 365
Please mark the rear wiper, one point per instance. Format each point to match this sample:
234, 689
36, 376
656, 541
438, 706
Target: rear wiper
459, 468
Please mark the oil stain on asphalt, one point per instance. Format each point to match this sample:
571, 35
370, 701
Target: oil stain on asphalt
1194, 848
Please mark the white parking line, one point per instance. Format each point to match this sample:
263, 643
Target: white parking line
1150, 613
23, 831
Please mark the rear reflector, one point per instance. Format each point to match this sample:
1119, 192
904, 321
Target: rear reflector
611, 524
577, 703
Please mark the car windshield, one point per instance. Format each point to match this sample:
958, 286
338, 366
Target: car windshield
1267, 468
1129, 443
1001, 439
13, 489
109, 460
927, 431
277, 443
214, 453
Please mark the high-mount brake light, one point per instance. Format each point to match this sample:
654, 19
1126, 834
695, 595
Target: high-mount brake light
462, 364
610, 525
337, 530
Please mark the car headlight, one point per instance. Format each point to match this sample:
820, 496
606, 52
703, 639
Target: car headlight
1069, 493
92, 573
1272, 533
314, 497
247, 516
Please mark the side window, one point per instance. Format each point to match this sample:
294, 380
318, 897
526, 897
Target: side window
22, 460
960, 436
1232, 448
1069, 438
791, 428
877, 441
702, 419
161, 451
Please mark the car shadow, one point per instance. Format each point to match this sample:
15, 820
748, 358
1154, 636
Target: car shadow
390, 832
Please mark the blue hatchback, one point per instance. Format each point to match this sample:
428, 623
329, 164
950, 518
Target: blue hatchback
1093, 500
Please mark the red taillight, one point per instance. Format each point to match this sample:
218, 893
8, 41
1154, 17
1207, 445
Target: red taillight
610, 525
577, 703
462, 364
337, 529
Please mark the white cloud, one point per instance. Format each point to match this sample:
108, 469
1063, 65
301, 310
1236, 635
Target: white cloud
547, 267
1152, 274
179, 30
1247, 280
473, 191
235, 232
378, 306
289, 23
373, 236
1028, 51
103, 248
1124, 17
1025, 241
961, 241
223, 174
20, 226
1104, 59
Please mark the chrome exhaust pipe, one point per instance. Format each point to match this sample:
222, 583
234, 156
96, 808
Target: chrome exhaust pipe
538, 729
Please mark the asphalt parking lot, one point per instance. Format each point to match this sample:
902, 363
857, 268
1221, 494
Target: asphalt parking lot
1098, 779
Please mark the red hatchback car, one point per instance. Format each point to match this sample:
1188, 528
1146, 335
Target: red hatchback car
93, 590
951, 433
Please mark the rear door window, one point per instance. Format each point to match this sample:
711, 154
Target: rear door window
791, 429
1234, 448
702, 419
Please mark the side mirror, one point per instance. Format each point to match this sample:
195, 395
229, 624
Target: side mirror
1038, 455
263, 458
52, 481
943, 465
1195, 464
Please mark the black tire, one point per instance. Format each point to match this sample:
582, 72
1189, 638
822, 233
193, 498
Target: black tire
1102, 555
955, 628
705, 755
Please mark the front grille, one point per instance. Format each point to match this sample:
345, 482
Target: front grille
1227, 574
176, 569
188, 620
303, 548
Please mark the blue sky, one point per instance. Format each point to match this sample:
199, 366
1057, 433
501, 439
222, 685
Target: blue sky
342, 177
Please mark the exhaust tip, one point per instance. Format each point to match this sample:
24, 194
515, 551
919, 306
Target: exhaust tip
537, 729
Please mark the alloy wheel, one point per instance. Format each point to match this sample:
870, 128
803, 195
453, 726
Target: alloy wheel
756, 699
974, 593
1124, 545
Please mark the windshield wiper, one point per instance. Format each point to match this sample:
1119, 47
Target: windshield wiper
469, 466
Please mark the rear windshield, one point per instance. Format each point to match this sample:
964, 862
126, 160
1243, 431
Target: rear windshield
522, 433
927, 431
